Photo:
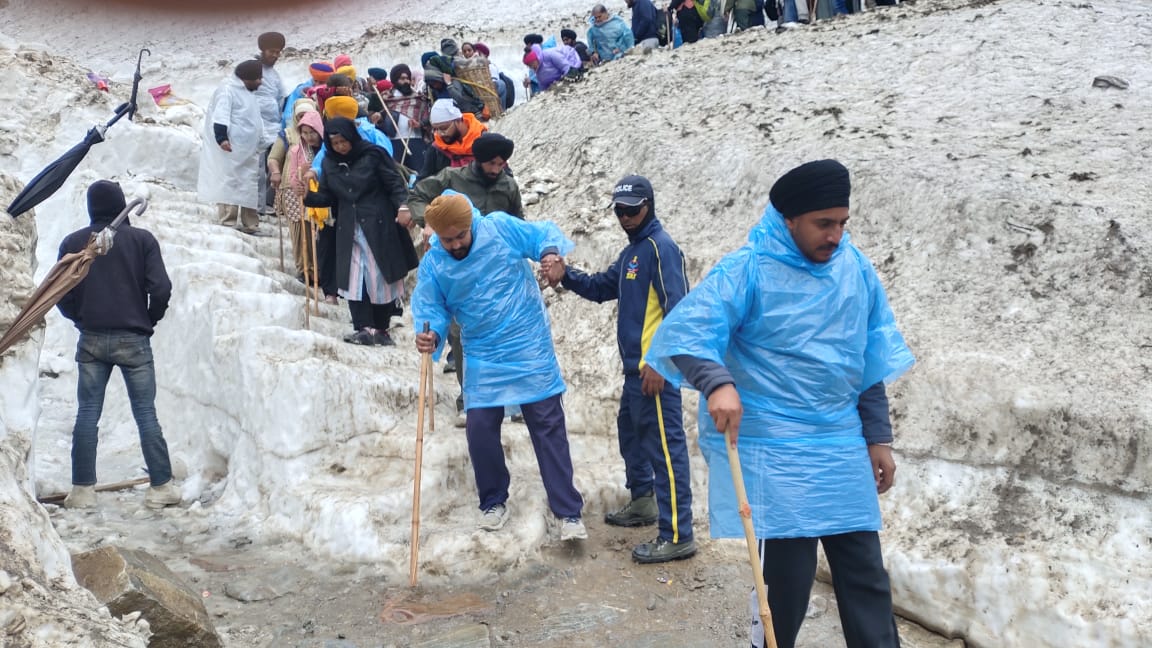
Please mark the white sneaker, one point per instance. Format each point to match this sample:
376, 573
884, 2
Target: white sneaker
81, 497
461, 420
573, 529
163, 495
494, 518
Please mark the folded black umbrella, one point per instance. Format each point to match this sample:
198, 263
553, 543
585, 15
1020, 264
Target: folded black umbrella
53, 176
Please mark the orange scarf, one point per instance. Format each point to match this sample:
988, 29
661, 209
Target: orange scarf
460, 151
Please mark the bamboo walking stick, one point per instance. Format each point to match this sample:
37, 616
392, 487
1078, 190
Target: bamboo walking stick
425, 390
280, 228
315, 261
395, 125
306, 226
750, 536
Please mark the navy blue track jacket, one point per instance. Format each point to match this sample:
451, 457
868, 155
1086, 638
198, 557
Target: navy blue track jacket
648, 279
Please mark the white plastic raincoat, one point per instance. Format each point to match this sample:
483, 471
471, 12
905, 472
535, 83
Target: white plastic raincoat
802, 341
232, 178
494, 296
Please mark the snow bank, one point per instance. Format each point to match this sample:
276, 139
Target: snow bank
993, 193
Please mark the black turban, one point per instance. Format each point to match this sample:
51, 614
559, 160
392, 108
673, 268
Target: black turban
396, 71
250, 70
105, 201
810, 187
492, 145
270, 40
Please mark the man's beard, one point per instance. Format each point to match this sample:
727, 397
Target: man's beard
405, 90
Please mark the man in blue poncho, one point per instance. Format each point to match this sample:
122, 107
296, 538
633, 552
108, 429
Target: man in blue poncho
608, 36
790, 340
477, 272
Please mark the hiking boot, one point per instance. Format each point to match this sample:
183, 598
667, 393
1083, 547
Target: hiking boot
382, 338
81, 497
639, 512
572, 528
494, 518
661, 550
461, 420
363, 337
163, 495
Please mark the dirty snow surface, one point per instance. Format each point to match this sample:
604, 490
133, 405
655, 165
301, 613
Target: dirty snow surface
1001, 196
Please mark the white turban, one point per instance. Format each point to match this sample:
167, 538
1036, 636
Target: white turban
444, 110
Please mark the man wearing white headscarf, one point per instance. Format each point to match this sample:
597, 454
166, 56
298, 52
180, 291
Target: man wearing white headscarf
234, 136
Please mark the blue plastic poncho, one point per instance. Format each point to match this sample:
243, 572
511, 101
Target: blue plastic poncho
802, 341
509, 358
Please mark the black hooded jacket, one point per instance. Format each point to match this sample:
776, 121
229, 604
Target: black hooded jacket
365, 187
126, 290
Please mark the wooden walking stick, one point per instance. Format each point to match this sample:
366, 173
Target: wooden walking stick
306, 226
425, 391
750, 536
280, 228
313, 232
384, 109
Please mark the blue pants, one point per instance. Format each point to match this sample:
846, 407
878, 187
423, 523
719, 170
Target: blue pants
655, 452
96, 355
863, 593
545, 421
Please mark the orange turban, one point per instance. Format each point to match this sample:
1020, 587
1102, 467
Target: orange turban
320, 71
340, 106
452, 210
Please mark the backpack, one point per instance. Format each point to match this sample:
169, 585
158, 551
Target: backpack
663, 26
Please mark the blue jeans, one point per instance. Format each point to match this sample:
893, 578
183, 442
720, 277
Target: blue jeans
96, 354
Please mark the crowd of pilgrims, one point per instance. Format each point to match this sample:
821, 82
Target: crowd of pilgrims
355, 234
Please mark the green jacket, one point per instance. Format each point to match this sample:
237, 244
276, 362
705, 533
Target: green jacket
742, 5
503, 195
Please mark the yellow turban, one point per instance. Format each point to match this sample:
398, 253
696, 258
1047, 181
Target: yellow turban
348, 71
340, 106
447, 211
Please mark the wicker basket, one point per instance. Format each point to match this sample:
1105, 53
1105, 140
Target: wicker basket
474, 72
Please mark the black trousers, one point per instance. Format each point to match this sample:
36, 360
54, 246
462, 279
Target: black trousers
863, 593
326, 259
365, 314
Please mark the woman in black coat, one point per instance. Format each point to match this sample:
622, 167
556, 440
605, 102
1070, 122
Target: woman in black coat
374, 251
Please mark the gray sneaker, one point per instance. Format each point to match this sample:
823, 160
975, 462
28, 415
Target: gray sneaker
572, 528
639, 512
165, 494
81, 497
494, 518
661, 550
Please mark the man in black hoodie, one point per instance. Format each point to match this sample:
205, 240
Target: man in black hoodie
115, 308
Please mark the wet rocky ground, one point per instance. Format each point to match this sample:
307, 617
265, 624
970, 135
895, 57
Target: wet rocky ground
585, 593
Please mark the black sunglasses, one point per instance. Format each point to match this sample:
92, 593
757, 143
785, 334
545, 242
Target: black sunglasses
627, 211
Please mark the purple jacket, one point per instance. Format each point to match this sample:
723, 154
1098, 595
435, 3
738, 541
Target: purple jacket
552, 66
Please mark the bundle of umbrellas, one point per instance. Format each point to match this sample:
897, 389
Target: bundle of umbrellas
72, 268
68, 271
